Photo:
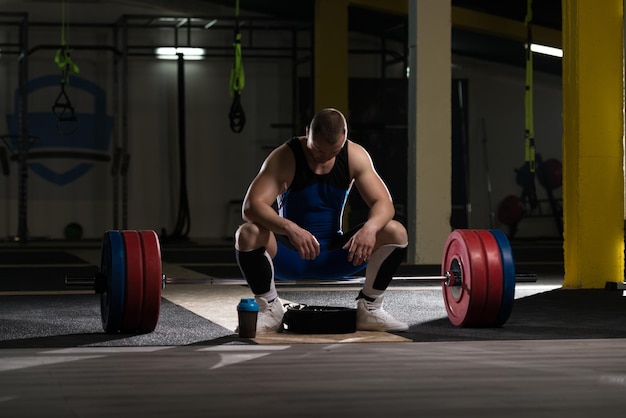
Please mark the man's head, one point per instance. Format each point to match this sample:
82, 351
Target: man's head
328, 125
326, 135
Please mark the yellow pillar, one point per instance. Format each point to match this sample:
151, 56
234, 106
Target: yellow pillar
593, 185
330, 44
429, 129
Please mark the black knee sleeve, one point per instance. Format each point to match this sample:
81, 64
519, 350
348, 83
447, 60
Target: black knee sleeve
256, 267
388, 268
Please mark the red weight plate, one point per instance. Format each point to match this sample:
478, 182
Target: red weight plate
478, 286
134, 281
465, 303
153, 275
495, 278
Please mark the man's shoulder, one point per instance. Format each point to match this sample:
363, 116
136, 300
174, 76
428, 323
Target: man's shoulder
355, 149
281, 155
358, 159
294, 140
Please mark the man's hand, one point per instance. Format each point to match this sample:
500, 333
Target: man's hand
361, 245
304, 242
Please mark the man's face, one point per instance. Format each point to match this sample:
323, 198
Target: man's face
321, 150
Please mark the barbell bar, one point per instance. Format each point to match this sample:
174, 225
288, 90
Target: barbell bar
478, 279
446, 279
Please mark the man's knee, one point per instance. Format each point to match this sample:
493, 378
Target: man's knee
247, 236
250, 236
395, 233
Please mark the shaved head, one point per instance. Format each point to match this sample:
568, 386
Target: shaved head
329, 125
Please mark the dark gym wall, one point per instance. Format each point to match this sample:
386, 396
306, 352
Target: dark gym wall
221, 163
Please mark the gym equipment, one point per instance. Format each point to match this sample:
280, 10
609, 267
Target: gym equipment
308, 319
67, 122
73, 231
551, 177
236, 115
130, 281
511, 210
550, 174
483, 289
529, 192
478, 283
508, 277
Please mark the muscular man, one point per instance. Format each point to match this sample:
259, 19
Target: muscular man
309, 179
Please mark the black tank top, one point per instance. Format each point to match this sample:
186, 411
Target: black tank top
316, 201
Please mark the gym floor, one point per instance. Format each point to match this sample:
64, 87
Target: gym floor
561, 353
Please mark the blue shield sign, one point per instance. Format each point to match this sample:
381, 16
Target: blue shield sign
87, 144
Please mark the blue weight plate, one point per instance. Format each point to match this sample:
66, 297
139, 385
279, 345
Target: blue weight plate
508, 275
113, 265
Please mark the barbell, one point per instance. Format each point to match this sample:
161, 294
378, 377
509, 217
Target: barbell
129, 281
478, 279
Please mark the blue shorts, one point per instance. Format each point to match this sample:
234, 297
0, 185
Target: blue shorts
331, 264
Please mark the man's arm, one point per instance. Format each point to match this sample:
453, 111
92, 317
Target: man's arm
273, 179
377, 197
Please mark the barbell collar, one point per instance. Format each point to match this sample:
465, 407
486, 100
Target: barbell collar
80, 281
98, 282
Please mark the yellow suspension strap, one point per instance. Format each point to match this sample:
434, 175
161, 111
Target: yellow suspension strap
529, 192
237, 81
67, 123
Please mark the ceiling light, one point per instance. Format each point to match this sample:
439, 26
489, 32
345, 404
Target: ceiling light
546, 50
211, 23
171, 53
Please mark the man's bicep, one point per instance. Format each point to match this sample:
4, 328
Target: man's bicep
264, 189
372, 188
271, 180
369, 184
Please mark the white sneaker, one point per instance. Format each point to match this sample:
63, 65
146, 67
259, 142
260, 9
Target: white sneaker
370, 316
270, 317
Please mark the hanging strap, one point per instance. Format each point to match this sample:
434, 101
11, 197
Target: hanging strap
529, 193
63, 57
236, 115
67, 123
